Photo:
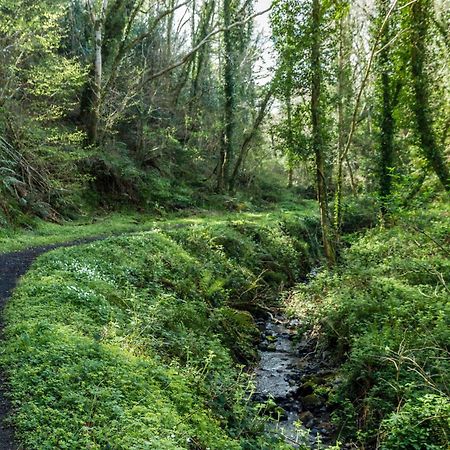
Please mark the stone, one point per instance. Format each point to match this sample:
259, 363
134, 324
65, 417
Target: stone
306, 416
306, 389
326, 427
312, 401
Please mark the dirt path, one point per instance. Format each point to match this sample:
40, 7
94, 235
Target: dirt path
12, 267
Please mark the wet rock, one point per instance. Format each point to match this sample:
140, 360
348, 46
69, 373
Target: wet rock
306, 416
326, 427
306, 389
315, 379
290, 372
312, 401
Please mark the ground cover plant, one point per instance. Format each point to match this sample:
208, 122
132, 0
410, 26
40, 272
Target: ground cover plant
239, 144
41, 232
135, 342
384, 315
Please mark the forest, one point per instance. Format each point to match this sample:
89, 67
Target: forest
224, 224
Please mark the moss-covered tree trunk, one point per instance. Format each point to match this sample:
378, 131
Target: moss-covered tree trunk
227, 150
248, 138
420, 17
386, 143
343, 98
109, 25
290, 139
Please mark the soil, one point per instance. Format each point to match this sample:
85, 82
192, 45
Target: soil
12, 267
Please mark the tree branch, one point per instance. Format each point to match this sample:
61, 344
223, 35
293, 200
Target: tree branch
364, 81
124, 47
204, 41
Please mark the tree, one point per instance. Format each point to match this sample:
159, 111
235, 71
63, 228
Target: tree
390, 88
317, 131
227, 146
236, 45
343, 100
420, 12
248, 138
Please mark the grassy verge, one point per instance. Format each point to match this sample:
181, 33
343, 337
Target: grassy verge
43, 233
135, 342
384, 314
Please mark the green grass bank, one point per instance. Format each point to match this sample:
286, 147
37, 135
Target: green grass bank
139, 341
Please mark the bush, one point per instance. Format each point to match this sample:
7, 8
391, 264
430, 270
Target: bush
422, 423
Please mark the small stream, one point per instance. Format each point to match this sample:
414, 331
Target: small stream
291, 373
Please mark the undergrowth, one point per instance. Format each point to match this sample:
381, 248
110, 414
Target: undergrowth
41, 232
384, 315
138, 342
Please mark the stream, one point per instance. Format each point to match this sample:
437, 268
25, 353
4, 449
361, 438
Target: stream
296, 378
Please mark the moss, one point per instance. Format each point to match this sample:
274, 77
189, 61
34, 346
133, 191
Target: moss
37, 232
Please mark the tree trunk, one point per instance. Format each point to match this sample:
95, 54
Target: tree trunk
289, 134
94, 116
248, 140
290, 176
341, 131
421, 102
387, 120
317, 134
229, 107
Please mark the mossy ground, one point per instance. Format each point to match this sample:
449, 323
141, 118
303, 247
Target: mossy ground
42, 233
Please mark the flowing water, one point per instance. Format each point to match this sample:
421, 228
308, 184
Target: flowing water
285, 365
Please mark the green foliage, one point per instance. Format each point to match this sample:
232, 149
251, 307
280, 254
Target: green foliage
132, 342
40, 87
431, 412
89, 224
385, 315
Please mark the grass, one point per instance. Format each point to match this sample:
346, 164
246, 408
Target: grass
136, 342
43, 233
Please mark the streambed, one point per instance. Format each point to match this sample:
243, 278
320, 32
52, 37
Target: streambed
291, 373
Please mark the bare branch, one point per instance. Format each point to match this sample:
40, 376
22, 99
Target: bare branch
204, 41
160, 17
364, 81
124, 47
